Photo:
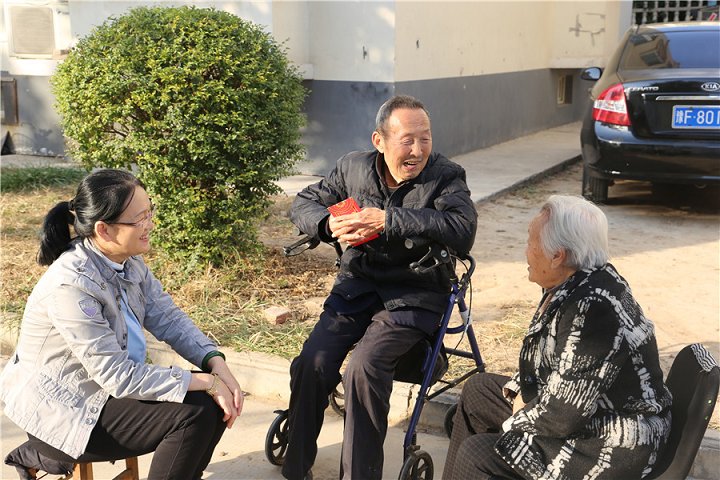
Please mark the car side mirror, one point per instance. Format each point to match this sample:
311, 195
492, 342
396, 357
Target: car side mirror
593, 74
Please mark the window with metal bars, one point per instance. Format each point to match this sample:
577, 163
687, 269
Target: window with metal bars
656, 11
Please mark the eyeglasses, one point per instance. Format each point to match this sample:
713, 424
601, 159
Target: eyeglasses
140, 223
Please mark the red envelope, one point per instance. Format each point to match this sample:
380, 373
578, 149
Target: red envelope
344, 207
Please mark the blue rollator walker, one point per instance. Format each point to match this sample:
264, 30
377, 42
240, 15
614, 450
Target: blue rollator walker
417, 463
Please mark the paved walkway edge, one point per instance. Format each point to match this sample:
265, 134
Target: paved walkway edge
268, 376
530, 179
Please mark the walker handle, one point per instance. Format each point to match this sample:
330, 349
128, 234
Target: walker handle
437, 254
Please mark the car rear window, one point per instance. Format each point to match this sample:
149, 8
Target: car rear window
681, 49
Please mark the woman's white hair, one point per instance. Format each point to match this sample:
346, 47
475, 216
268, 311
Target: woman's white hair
577, 226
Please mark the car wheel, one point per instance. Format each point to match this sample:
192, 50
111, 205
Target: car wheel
593, 188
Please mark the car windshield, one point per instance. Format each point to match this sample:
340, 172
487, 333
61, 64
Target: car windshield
673, 49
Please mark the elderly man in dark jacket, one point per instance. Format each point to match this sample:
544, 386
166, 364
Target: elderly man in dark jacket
378, 304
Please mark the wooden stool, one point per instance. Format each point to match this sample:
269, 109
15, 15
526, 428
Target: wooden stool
84, 471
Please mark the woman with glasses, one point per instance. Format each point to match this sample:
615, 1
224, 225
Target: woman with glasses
78, 382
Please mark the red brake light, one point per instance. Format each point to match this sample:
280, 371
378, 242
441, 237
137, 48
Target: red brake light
610, 106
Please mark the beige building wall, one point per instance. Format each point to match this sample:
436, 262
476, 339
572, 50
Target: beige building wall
585, 34
87, 14
352, 40
290, 26
456, 39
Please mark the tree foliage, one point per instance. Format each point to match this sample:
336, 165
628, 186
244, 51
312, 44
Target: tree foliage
203, 104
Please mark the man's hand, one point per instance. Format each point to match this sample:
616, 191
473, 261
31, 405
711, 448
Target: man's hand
355, 227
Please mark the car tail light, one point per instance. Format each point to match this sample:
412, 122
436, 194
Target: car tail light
610, 106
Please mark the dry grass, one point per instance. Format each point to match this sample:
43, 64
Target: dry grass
499, 341
21, 216
228, 302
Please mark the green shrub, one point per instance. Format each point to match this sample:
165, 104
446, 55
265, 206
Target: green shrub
203, 103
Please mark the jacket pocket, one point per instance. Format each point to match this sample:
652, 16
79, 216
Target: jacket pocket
57, 392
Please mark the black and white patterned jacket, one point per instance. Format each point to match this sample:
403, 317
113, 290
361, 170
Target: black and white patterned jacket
589, 372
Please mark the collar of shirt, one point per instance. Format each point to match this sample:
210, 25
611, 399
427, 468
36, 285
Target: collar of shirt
118, 267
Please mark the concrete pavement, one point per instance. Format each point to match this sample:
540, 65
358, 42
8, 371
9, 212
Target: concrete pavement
240, 455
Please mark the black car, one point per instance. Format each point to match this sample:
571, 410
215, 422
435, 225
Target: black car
655, 110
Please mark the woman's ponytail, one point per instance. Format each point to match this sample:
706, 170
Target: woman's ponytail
101, 196
55, 236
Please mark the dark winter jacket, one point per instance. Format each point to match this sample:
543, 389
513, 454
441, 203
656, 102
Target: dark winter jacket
435, 205
597, 407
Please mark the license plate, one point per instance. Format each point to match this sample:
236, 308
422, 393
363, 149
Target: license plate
696, 116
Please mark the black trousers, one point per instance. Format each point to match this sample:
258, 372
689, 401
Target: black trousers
481, 411
182, 435
381, 337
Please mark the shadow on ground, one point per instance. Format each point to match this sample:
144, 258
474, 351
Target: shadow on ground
704, 200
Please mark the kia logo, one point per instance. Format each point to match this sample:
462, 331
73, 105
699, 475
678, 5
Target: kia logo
710, 86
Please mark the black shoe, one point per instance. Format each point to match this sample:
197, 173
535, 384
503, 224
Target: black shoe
308, 475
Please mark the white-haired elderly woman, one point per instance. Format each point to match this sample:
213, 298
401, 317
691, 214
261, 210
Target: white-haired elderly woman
588, 400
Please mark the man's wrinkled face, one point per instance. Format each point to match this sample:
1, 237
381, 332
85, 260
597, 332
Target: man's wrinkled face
406, 145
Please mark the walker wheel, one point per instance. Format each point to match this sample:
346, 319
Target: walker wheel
417, 466
337, 400
276, 440
449, 419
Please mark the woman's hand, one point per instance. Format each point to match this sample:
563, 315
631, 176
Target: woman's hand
224, 398
219, 366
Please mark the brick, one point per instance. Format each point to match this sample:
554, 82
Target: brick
277, 315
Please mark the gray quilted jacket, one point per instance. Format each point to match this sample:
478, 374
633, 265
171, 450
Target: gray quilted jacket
72, 350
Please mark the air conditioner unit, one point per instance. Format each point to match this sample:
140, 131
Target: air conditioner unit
33, 29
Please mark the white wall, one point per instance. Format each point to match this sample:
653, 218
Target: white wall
439, 39
586, 33
290, 27
352, 40
286, 20
34, 66
87, 14
392, 40
77, 18
451, 39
